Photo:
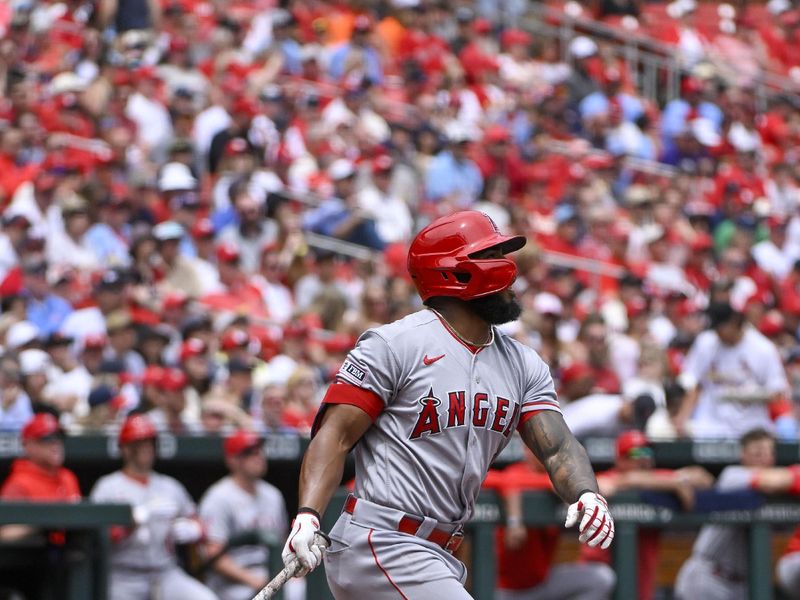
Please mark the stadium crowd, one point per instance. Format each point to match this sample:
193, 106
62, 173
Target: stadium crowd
204, 203
169, 169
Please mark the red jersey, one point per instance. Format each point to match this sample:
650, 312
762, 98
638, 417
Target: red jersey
648, 547
29, 481
527, 566
794, 542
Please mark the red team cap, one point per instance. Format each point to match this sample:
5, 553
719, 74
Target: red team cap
441, 259
234, 338
42, 425
227, 252
203, 228
152, 375
192, 347
630, 440
95, 341
173, 380
240, 441
135, 428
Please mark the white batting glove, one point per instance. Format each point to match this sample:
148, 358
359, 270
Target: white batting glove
301, 544
597, 525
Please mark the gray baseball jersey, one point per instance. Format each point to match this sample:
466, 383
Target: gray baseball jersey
227, 509
442, 411
164, 499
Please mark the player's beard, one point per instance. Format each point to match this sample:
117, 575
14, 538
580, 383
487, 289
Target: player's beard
496, 310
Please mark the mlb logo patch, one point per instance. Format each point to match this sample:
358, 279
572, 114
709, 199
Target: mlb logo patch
353, 371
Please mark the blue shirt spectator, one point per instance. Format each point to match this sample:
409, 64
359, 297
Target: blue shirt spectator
359, 44
597, 103
48, 313
452, 174
111, 250
676, 113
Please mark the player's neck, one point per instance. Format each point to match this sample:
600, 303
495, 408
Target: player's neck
469, 326
247, 484
136, 474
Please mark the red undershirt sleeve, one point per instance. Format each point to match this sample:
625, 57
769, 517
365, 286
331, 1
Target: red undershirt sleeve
346, 393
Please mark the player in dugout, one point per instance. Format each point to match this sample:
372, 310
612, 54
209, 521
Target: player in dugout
143, 560
40, 474
241, 502
634, 470
718, 567
525, 555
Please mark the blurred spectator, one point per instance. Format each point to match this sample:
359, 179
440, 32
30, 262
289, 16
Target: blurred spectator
358, 56
302, 400
241, 503
341, 216
453, 180
45, 310
172, 414
69, 383
736, 380
719, 561
391, 215
16, 408
164, 515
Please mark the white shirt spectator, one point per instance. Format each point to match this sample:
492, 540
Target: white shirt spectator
208, 124
153, 123
727, 372
392, 218
775, 261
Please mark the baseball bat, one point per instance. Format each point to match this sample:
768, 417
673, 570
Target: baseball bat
289, 571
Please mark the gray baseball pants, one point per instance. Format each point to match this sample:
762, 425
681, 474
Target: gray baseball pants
697, 581
788, 570
366, 560
169, 584
569, 581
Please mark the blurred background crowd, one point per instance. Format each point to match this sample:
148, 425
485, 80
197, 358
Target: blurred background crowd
203, 203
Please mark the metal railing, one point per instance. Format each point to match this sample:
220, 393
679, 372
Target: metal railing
655, 66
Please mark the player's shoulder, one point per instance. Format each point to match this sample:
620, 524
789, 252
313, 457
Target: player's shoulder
269, 492
168, 483
753, 338
108, 483
514, 347
706, 339
403, 329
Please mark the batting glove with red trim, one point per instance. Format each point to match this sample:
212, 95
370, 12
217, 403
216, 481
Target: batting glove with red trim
597, 525
301, 544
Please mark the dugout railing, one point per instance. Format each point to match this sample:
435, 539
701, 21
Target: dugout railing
631, 512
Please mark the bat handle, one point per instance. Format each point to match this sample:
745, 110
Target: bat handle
289, 571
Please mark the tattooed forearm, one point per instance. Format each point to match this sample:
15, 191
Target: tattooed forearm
548, 436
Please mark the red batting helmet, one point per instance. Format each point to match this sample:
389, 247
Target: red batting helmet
135, 428
442, 262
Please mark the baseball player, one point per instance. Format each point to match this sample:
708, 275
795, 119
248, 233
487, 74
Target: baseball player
788, 569
717, 569
240, 502
427, 403
143, 565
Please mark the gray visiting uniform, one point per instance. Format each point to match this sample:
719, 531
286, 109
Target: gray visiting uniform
143, 565
718, 567
443, 414
226, 509
788, 572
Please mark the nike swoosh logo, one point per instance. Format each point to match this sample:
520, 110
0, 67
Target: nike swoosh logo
430, 361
